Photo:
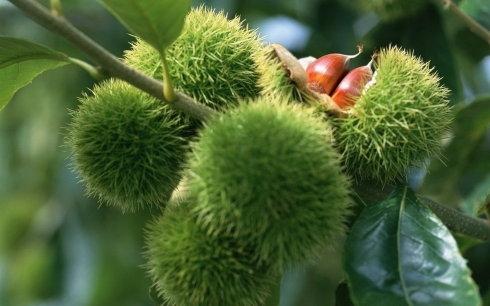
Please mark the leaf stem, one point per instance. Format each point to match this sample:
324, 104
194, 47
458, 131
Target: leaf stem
56, 8
469, 21
114, 67
111, 64
94, 72
168, 87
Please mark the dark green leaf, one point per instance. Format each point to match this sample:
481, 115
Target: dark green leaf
159, 23
20, 62
400, 253
342, 297
465, 242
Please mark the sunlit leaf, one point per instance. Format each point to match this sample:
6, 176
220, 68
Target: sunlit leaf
159, 23
20, 62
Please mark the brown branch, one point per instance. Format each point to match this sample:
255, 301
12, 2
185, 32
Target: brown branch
460, 223
469, 21
111, 64
453, 219
370, 193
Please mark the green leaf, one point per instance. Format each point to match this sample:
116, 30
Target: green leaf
444, 177
20, 62
159, 23
400, 253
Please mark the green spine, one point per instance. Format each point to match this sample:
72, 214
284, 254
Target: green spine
274, 80
398, 122
127, 147
192, 268
268, 169
214, 60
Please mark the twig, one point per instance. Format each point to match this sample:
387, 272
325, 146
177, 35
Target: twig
111, 64
94, 72
460, 223
455, 220
370, 193
469, 21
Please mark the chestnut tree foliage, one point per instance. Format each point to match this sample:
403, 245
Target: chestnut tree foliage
251, 173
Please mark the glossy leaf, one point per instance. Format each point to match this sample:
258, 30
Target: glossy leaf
159, 23
400, 253
20, 62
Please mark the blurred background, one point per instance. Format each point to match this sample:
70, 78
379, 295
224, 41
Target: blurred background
58, 247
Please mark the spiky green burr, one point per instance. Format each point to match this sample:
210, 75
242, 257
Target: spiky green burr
275, 79
127, 147
214, 60
268, 169
192, 268
398, 122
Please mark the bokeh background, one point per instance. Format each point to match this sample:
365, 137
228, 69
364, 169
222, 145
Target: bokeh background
58, 247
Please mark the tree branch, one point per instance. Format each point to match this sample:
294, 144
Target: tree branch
111, 64
460, 223
471, 23
453, 219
